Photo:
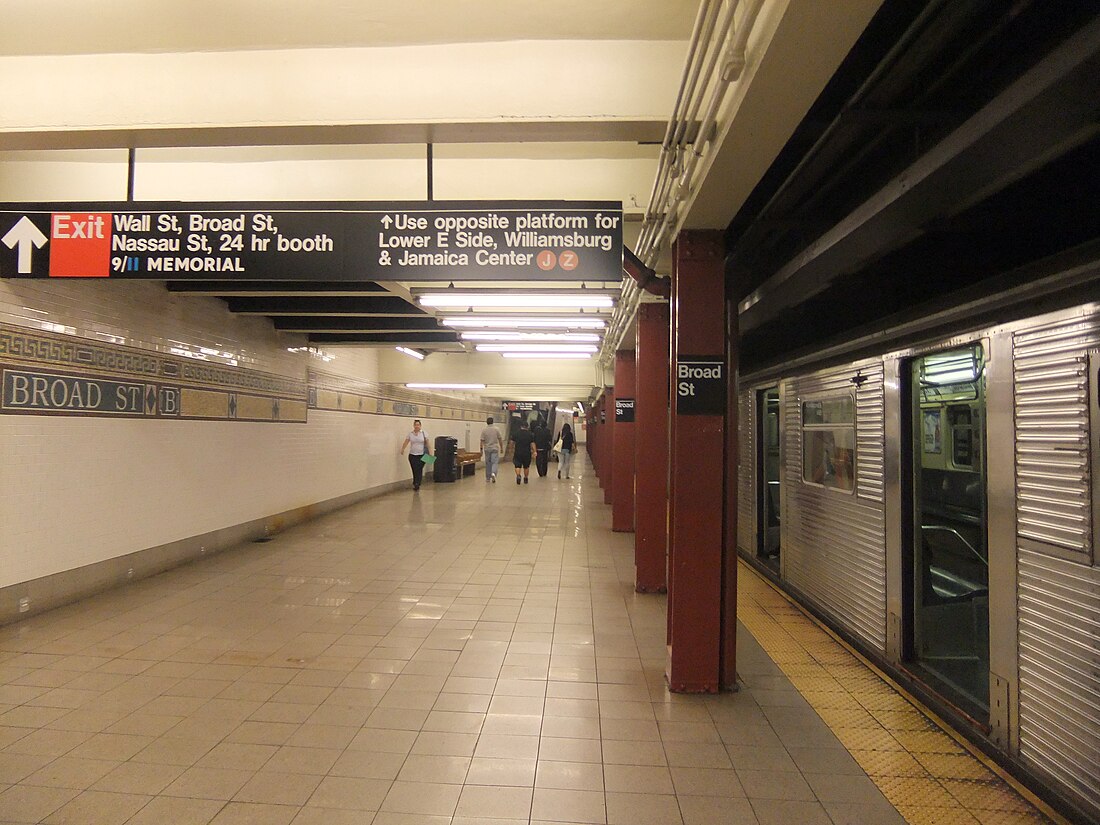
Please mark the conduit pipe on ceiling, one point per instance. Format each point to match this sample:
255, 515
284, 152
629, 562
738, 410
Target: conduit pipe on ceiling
678, 122
620, 320
675, 184
667, 167
675, 189
731, 71
642, 279
678, 162
696, 80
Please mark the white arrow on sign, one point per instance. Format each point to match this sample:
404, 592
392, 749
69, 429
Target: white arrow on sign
23, 235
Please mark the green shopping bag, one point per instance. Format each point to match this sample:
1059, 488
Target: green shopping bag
428, 459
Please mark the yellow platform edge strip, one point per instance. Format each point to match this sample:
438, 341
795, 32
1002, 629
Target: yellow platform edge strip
959, 739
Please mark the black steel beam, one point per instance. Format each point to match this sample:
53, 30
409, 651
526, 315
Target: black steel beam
315, 305
1050, 110
229, 289
412, 339
294, 323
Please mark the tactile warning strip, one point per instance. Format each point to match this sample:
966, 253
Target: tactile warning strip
922, 767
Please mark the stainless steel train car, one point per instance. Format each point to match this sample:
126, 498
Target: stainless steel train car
938, 505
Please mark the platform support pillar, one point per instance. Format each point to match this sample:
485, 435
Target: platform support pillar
697, 464
651, 450
622, 496
607, 427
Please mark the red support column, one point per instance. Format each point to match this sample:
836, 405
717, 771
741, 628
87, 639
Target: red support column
607, 480
651, 450
670, 572
697, 463
622, 495
591, 437
597, 440
588, 430
729, 552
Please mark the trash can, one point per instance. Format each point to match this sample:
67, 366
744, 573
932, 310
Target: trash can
445, 468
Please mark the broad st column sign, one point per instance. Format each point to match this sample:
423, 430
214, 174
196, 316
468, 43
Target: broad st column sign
700, 385
446, 241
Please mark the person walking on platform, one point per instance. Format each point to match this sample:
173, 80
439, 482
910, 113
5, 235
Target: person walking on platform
524, 451
417, 442
544, 439
491, 444
565, 455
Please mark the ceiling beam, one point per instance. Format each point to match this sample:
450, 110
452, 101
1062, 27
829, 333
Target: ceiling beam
274, 289
293, 323
380, 306
410, 339
594, 130
509, 287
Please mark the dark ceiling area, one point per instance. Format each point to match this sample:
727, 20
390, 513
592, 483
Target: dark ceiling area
954, 154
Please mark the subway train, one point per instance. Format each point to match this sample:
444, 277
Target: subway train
937, 505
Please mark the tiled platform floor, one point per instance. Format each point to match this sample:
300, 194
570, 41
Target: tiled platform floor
469, 654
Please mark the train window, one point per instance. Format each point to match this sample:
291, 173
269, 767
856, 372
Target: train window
838, 410
829, 442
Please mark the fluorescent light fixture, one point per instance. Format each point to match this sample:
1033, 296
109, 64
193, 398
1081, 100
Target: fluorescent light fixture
445, 386
950, 368
546, 354
414, 353
536, 347
532, 337
515, 299
489, 322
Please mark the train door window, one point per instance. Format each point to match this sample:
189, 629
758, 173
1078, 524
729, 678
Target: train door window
948, 627
768, 477
961, 419
829, 442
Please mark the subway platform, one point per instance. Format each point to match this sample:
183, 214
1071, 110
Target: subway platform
471, 653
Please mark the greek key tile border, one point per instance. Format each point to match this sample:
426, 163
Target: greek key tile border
44, 373
38, 391
339, 394
55, 350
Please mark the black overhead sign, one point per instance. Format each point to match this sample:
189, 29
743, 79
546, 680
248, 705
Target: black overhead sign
624, 410
700, 385
342, 241
520, 406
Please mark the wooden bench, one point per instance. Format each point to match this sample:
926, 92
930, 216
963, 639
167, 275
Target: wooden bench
467, 462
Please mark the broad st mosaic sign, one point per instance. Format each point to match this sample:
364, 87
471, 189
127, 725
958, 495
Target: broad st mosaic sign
446, 241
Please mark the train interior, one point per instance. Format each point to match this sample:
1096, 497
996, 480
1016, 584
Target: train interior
949, 624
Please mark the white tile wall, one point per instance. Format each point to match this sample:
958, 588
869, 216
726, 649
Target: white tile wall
82, 490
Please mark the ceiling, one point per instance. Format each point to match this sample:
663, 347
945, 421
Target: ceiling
69, 27
247, 101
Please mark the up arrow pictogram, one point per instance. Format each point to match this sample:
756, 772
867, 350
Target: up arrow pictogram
23, 235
